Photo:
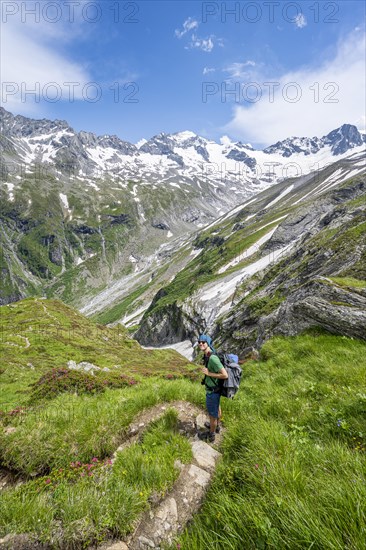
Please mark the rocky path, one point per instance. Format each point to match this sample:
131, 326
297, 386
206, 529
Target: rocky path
168, 517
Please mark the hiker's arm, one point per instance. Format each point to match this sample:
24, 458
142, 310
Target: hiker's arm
222, 374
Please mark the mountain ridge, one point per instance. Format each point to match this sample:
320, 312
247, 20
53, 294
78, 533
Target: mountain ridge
9, 125
42, 141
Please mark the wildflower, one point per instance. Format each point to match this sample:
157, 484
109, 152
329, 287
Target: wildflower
256, 466
94, 459
48, 481
339, 422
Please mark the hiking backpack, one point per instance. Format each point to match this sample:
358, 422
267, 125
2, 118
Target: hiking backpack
230, 386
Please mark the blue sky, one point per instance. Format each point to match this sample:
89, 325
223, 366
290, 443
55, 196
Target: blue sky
255, 71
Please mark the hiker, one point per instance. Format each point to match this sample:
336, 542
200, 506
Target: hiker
213, 371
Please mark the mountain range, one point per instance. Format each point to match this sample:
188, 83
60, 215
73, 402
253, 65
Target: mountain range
163, 233
167, 157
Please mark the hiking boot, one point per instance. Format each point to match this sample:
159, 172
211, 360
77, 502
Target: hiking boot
207, 436
211, 437
207, 425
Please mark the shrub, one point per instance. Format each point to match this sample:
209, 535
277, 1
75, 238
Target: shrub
61, 380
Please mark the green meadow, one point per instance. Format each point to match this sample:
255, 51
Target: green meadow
293, 467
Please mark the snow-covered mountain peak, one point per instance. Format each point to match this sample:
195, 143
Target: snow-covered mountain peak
140, 143
343, 138
20, 126
229, 171
181, 137
339, 141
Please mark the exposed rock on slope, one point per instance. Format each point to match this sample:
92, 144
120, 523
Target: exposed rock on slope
307, 267
323, 304
320, 284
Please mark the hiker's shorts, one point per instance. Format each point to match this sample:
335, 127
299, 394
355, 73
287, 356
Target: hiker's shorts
213, 404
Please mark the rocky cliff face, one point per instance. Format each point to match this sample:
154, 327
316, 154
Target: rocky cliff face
318, 303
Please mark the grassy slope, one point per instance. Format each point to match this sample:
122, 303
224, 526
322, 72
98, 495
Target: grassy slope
294, 465
293, 468
38, 335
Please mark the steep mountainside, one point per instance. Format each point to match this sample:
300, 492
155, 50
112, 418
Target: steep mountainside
291, 258
91, 219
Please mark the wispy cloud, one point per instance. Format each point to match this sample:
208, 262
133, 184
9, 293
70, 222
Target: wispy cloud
206, 44
300, 21
208, 70
240, 70
309, 101
188, 25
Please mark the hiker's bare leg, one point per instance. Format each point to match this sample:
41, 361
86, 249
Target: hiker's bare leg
213, 424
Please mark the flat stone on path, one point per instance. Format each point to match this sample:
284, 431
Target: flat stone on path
204, 455
199, 476
200, 421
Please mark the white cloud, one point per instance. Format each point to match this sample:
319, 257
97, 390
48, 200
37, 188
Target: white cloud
240, 70
208, 70
204, 44
300, 21
188, 25
306, 102
31, 68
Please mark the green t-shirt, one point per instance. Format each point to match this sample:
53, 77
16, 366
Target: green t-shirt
214, 365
